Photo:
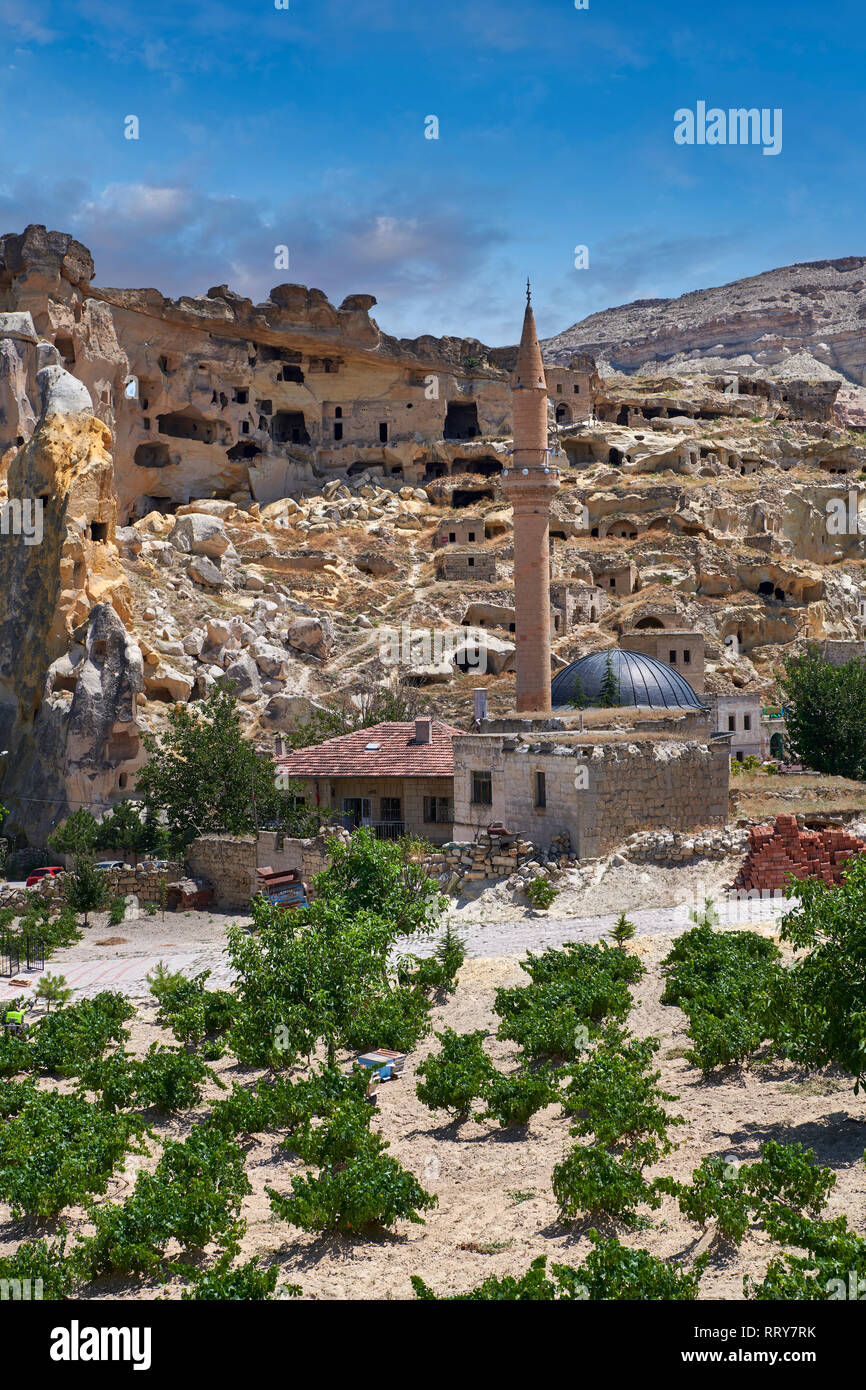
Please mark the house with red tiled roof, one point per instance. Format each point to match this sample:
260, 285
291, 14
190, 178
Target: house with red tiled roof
396, 777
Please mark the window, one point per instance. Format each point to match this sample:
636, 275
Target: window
391, 808
242, 397
732, 723
383, 432
613, 581
438, 810
540, 790
472, 535
747, 721
452, 535
687, 657
577, 390
338, 430
338, 412
673, 658
471, 561
482, 789
559, 390
739, 757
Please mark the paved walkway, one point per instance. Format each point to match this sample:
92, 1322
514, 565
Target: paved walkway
90, 973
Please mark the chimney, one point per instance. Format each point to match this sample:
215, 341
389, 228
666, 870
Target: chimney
424, 729
480, 697
278, 746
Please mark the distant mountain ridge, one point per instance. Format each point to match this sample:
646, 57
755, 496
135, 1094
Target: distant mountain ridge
814, 312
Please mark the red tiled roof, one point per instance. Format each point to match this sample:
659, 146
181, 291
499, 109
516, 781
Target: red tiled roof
398, 754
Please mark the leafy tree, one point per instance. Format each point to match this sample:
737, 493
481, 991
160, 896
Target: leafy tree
609, 694
825, 714
53, 989
818, 1013
85, 889
204, 778
77, 834
131, 829
383, 876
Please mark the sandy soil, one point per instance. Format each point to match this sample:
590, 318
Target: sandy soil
496, 1211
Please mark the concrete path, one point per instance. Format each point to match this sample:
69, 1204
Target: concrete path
90, 972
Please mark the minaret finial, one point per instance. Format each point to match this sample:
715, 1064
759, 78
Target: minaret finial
528, 292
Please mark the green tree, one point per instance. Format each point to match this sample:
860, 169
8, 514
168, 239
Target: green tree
54, 990
622, 931
818, 1017
825, 714
77, 834
204, 778
609, 695
86, 889
126, 828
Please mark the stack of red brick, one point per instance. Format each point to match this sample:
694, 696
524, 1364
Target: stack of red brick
776, 852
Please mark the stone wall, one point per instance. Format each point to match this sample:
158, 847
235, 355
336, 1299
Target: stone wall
457, 864
229, 862
463, 564
142, 881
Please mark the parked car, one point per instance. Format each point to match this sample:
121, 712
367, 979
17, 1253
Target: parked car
48, 872
111, 864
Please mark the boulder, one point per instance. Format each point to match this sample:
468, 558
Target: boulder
310, 635
205, 573
244, 673
200, 534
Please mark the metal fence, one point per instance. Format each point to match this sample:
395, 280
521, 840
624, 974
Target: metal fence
15, 950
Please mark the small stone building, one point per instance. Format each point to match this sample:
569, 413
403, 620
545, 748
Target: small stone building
464, 530
572, 604
682, 650
596, 787
466, 565
616, 576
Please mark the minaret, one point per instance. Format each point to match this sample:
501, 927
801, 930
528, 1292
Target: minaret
529, 485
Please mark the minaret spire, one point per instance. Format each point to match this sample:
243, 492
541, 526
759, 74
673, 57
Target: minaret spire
530, 486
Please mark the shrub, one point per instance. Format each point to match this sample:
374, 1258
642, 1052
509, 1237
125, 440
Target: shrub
572, 991
116, 911
245, 1281
370, 1190
541, 892
187, 1007
724, 982
457, 1075
513, 1100
41, 1260
616, 1095
53, 989
59, 1149
65, 1042
591, 1181
167, 1078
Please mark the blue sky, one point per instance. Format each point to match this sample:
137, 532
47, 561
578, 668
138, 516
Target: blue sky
305, 127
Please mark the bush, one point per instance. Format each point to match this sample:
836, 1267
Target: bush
616, 1095
40, 1261
188, 1008
513, 1100
58, 1150
167, 1078
371, 1190
724, 982
591, 1181
67, 1041
457, 1075
194, 1197
572, 991
772, 1191
245, 1281
611, 1272
116, 911
541, 892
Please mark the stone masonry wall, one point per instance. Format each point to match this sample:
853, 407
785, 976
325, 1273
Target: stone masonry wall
142, 881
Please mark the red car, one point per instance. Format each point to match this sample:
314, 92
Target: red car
44, 873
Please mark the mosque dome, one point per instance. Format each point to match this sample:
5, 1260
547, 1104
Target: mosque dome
643, 682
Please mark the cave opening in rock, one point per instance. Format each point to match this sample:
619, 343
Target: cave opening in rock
766, 588
486, 467
289, 427
182, 425
461, 420
468, 496
99, 531
152, 456
241, 452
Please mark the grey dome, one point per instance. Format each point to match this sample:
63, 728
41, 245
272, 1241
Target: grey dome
643, 682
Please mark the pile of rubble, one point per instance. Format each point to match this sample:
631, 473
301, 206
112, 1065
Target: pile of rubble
778, 851
458, 863
683, 847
